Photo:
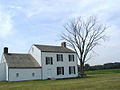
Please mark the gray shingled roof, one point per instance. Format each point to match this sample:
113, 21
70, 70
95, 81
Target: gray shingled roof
21, 61
59, 49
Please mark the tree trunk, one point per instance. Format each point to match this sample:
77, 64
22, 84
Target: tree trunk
81, 70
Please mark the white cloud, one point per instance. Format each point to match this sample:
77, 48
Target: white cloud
5, 23
44, 11
38, 7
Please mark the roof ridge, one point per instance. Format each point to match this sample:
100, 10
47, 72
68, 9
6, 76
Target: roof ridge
46, 45
50, 48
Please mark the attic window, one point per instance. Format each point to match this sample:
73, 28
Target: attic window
32, 49
17, 74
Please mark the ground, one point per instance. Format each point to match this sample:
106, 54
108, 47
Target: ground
95, 80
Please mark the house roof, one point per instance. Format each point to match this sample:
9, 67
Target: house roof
21, 61
58, 49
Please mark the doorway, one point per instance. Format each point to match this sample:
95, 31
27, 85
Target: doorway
49, 73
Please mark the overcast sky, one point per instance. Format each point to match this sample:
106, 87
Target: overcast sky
26, 22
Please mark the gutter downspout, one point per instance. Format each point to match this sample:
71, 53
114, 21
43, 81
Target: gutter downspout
41, 67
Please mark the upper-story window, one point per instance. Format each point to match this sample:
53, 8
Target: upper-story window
49, 60
59, 57
71, 57
71, 69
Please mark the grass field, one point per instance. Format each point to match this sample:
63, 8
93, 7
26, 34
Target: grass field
96, 80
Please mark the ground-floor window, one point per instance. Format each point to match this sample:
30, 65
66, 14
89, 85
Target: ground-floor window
17, 74
71, 69
33, 74
60, 70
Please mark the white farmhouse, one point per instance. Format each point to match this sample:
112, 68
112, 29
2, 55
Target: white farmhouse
41, 62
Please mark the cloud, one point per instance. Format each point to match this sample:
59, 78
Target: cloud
38, 7
40, 21
6, 23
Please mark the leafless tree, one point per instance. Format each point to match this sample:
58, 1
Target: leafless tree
83, 35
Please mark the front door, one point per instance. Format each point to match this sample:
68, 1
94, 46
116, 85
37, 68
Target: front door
49, 73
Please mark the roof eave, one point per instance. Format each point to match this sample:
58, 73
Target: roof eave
23, 67
57, 52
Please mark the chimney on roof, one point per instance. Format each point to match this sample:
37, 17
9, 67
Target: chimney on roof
5, 50
63, 44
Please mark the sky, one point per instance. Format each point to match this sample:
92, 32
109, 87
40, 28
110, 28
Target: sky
27, 22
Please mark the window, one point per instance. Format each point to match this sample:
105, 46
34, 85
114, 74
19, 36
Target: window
32, 49
33, 74
17, 74
49, 60
59, 57
72, 70
60, 70
71, 57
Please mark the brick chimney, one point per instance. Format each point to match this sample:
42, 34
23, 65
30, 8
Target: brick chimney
5, 50
63, 44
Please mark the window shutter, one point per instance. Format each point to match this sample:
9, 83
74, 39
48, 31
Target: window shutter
69, 57
57, 57
46, 60
51, 60
62, 70
73, 57
57, 71
61, 57
69, 70
74, 69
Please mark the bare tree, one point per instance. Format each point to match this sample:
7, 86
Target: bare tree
83, 35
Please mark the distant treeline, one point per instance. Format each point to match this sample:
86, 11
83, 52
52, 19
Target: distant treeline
115, 65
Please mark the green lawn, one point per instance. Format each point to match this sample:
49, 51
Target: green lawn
96, 80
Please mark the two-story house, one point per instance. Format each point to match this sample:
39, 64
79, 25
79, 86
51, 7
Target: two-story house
41, 62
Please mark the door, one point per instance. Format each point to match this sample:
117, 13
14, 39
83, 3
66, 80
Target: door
49, 73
